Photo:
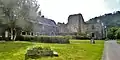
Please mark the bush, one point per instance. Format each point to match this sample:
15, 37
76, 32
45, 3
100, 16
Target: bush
80, 37
38, 52
45, 39
25, 38
1, 38
52, 39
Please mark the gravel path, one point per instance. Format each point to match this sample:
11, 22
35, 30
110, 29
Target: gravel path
111, 50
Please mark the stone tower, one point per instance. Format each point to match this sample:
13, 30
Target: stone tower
75, 23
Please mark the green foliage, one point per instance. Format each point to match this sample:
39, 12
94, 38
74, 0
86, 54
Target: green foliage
117, 33
45, 39
15, 10
110, 19
13, 50
80, 36
76, 50
113, 33
38, 52
118, 41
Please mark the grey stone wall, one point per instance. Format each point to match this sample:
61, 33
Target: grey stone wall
76, 24
97, 29
62, 28
73, 23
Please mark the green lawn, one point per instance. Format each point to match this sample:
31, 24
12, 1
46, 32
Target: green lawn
76, 50
118, 41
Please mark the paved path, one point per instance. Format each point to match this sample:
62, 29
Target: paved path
111, 50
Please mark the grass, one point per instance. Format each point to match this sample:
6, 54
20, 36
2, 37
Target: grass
13, 50
118, 41
76, 50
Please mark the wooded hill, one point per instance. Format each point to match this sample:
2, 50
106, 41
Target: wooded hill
110, 19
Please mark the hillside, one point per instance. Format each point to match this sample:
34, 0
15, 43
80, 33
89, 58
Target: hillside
110, 19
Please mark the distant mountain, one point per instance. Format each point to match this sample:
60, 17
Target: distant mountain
110, 19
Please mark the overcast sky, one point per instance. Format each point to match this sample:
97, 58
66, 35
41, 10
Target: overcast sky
59, 10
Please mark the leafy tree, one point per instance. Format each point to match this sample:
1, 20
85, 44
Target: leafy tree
18, 9
110, 19
117, 33
112, 32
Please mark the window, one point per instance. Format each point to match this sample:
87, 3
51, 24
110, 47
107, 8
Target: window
93, 27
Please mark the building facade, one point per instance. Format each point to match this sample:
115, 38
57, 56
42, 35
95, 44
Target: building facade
76, 24
44, 26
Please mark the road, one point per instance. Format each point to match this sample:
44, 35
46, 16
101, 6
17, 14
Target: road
111, 50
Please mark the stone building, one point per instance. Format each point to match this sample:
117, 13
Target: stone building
43, 26
76, 24
40, 26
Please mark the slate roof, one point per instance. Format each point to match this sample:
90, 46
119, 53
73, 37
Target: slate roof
45, 21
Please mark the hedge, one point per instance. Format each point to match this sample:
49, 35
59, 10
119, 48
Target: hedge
45, 39
80, 37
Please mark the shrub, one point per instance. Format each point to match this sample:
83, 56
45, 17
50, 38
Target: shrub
38, 52
52, 39
80, 37
45, 39
1, 38
25, 38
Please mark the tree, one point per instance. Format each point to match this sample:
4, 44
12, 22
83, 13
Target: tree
112, 32
109, 19
117, 33
18, 9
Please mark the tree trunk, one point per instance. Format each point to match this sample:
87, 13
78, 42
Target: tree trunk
11, 34
15, 35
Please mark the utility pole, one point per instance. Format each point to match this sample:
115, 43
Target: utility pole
106, 32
